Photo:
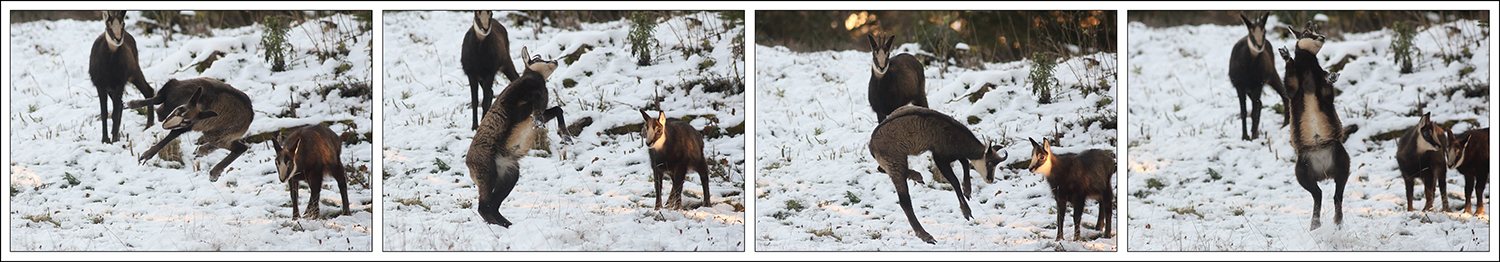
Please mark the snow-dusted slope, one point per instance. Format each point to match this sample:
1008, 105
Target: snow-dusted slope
592, 194
1194, 185
70, 192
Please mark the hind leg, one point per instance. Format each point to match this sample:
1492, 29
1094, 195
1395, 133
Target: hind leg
1078, 218
1255, 113
946, 167
902, 193
487, 85
1441, 175
507, 181
343, 180
474, 102
1106, 214
1244, 125
1410, 183
235, 149
702, 169
1304, 177
1480, 181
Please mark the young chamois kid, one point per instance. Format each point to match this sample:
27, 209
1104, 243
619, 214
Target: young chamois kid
894, 81
310, 152
486, 50
1470, 155
1317, 133
911, 130
674, 147
1075, 178
113, 62
1251, 67
1422, 152
208, 106
506, 134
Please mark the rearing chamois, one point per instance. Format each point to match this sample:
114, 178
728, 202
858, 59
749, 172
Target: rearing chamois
1422, 152
113, 62
208, 106
1251, 67
1317, 133
486, 50
911, 130
311, 152
507, 133
894, 81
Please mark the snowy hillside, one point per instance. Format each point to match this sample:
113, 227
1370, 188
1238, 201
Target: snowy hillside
592, 194
70, 192
817, 188
1194, 185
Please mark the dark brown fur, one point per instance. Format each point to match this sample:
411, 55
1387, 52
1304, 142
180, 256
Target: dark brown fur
903, 82
1317, 133
1075, 178
1250, 72
208, 106
911, 130
481, 59
1471, 156
111, 70
675, 147
505, 135
311, 152
1427, 162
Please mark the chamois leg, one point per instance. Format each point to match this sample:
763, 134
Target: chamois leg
1244, 126
474, 102
487, 85
1441, 183
343, 179
314, 188
1078, 218
1255, 115
562, 127
656, 177
507, 181
291, 186
139, 80
1410, 185
104, 113
115, 95
1305, 178
679, 175
702, 168
1106, 214
151, 152
1062, 211
946, 167
899, 178
968, 187
235, 149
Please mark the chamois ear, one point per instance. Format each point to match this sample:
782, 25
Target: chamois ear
890, 42
874, 46
197, 92
276, 143
645, 116
661, 118
1263, 16
525, 56
1034, 144
1248, 24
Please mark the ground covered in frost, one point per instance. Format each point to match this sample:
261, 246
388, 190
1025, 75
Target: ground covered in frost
594, 193
1194, 185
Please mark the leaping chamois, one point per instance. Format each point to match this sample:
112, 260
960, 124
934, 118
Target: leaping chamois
113, 62
911, 130
1251, 67
894, 81
486, 50
208, 106
311, 152
1317, 133
507, 133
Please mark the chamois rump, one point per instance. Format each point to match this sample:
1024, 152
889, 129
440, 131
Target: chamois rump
208, 106
911, 130
114, 62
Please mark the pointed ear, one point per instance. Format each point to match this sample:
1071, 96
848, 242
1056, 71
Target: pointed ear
890, 42
661, 118
1247, 21
873, 45
1263, 17
645, 116
276, 144
196, 93
525, 56
1426, 118
1034, 145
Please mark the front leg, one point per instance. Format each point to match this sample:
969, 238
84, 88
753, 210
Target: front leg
946, 167
562, 128
171, 136
1285, 55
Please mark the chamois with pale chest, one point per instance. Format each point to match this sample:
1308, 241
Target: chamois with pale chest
208, 106
674, 147
894, 81
1317, 133
486, 51
114, 62
1251, 68
507, 133
911, 130
310, 152
1075, 178
1422, 152
1470, 155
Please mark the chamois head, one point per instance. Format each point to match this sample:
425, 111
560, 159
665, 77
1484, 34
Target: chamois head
1456, 150
1041, 154
185, 115
1433, 137
986, 165
482, 23
114, 27
286, 164
880, 49
536, 63
1257, 29
654, 127
1308, 39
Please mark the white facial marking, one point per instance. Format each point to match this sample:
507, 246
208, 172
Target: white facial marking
544, 68
981, 165
1309, 44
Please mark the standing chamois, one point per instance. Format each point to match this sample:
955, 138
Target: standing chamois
674, 146
507, 134
911, 130
1251, 67
1470, 155
1317, 133
113, 62
894, 81
311, 152
486, 51
1422, 152
208, 106
1075, 178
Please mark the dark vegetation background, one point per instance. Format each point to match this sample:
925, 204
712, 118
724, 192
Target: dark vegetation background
993, 36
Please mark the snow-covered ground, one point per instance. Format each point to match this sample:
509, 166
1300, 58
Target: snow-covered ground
592, 194
1194, 185
817, 188
70, 192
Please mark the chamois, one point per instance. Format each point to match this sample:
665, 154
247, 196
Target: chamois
208, 106
674, 147
311, 152
1422, 152
1075, 178
113, 62
911, 130
486, 50
1251, 67
1317, 134
894, 81
507, 133
1469, 154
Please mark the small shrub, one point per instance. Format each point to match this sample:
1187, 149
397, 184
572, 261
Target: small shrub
273, 40
642, 37
1401, 45
794, 205
1042, 80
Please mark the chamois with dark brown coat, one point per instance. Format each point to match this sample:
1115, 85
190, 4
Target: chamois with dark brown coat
894, 81
1422, 153
1470, 155
310, 152
114, 62
674, 147
1317, 134
507, 133
486, 51
1251, 68
215, 109
1075, 178
911, 130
